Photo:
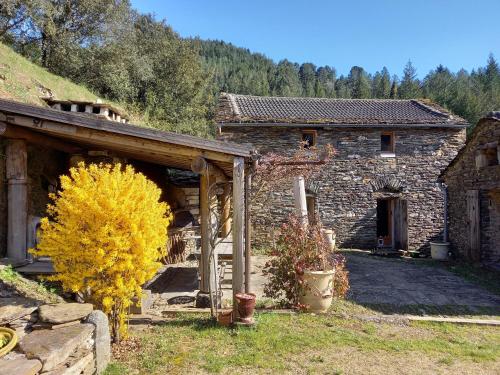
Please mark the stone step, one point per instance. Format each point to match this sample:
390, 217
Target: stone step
53, 347
64, 312
20, 366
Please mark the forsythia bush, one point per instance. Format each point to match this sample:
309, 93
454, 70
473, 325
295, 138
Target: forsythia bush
106, 233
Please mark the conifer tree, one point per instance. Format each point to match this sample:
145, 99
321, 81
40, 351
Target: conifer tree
394, 88
410, 86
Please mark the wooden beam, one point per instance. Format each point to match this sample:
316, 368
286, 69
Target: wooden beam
248, 234
238, 233
17, 196
137, 139
202, 166
16, 132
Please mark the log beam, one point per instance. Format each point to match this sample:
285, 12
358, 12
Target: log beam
16, 132
203, 167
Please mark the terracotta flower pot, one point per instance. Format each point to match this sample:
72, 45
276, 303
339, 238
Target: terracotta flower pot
246, 306
225, 318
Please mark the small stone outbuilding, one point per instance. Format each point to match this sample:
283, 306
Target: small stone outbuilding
381, 189
473, 181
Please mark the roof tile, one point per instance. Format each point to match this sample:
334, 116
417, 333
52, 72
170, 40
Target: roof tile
235, 108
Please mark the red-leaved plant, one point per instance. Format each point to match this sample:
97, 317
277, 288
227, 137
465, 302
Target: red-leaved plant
301, 247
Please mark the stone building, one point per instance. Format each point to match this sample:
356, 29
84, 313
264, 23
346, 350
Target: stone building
473, 181
381, 189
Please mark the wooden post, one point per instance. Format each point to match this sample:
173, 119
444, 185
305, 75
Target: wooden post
17, 195
226, 211
205, 233
248, 234
238, 233
474, 250
299, 194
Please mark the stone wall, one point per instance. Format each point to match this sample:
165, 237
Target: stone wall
346, 196
54, 339
466, 173
45, 165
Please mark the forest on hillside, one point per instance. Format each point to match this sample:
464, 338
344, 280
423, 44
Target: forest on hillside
140, 61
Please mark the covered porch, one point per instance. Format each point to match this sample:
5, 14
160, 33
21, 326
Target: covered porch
41, 144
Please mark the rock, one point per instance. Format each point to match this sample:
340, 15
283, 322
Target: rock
146, 302
181, 300
102, 339
20, 366
83, 365
53, 347
15, 308
64, 312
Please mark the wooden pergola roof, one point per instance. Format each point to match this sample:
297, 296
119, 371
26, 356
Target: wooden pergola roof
84, 130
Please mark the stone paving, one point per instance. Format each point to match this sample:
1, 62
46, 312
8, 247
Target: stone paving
377, 280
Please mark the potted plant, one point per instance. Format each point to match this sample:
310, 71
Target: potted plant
303, 270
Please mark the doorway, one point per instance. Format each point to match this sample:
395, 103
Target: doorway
392, 223
385, 222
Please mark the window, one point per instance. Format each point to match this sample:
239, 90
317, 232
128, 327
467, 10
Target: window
387, 143
309, 138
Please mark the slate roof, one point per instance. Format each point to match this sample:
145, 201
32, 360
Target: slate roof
235, 108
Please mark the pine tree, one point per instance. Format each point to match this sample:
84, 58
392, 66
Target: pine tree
410, 86
286, 80
307, 74
394, 88
359, 83
325, 82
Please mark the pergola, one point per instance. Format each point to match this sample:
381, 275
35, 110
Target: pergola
74, 133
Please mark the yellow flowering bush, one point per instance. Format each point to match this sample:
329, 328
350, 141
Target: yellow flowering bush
106, 234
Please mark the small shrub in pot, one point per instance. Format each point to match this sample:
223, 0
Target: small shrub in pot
301, 258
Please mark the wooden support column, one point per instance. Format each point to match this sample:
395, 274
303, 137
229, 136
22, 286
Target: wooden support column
238, 231
299, 194
17, 196
248, 234
226, 211
205, 233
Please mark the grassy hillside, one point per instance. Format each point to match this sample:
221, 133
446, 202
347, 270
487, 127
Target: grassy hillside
23, 81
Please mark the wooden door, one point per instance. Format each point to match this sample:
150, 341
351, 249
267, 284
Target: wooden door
473, 251
401, 224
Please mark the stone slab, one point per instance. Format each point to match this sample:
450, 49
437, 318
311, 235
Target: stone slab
64, 312
76, 368
14, 308
53, 347
20, 366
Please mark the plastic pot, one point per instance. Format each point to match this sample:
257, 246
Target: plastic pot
439, 250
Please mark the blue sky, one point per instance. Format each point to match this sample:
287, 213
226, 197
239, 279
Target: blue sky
371, 34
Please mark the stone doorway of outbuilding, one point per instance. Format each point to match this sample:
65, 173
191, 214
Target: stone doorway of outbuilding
392, 223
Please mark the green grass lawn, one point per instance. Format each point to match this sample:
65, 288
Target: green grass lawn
302, 343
